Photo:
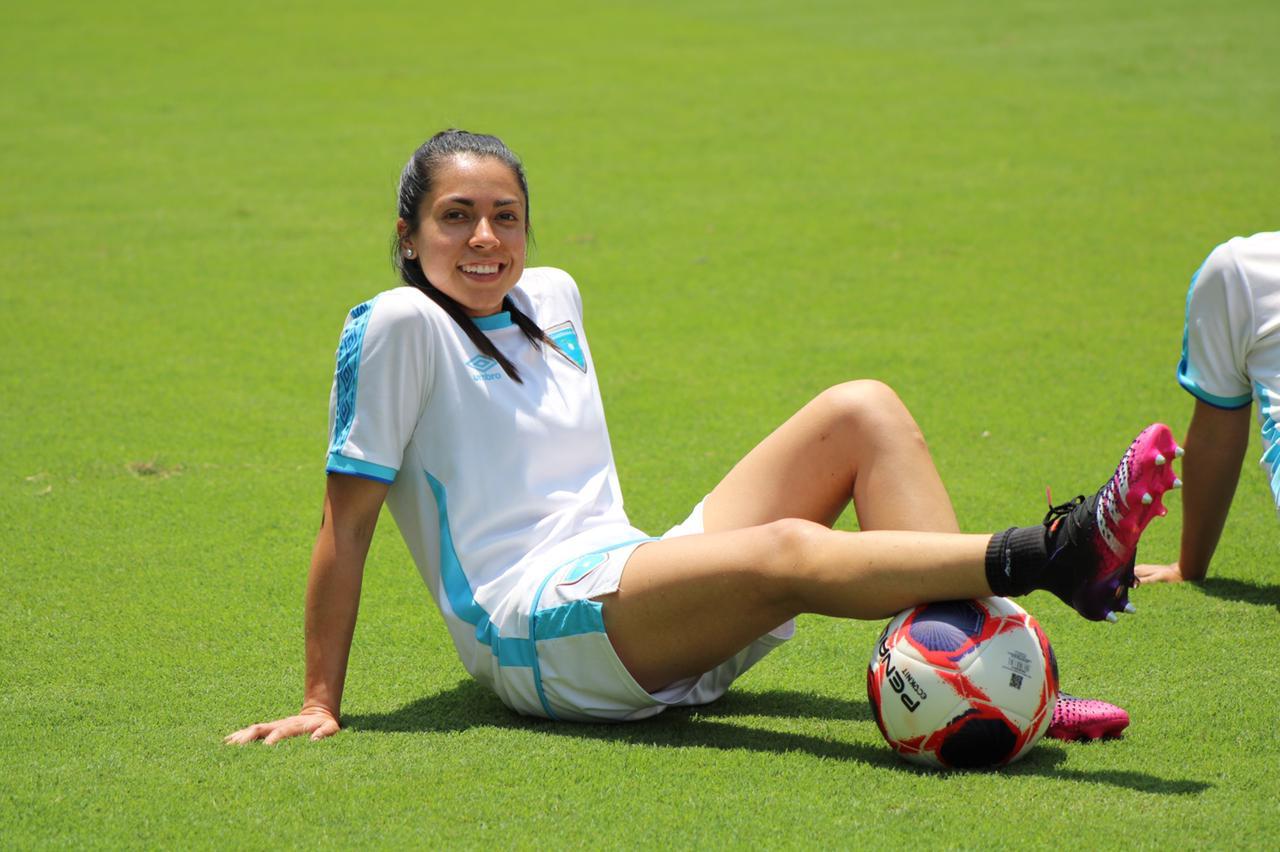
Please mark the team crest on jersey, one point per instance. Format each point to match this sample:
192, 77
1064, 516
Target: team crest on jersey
483, 365
565, 336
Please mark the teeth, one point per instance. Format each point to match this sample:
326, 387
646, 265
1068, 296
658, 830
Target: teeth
480, 268
1160, 459
1177, 483
1178, 452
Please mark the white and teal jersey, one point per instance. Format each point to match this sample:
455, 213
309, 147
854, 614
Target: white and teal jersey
1231, 343
493, 483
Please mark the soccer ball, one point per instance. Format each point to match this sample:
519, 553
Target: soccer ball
963, 684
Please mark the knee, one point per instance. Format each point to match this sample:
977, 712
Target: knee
871, 408
790, 539
787, 547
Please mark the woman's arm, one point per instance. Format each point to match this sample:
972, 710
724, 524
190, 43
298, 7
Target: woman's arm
351, 509
1216, 443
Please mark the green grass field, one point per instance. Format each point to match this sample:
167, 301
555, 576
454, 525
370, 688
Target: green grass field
994, 208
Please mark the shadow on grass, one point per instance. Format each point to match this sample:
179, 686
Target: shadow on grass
1241, 590
470, 705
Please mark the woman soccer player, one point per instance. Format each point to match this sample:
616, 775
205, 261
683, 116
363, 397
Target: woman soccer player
467, 400
1230, 356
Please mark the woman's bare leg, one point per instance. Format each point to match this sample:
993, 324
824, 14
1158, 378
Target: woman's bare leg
853, 441
687, 604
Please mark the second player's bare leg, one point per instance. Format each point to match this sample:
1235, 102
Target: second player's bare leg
853, 441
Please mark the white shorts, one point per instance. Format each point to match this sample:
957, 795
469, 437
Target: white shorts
576, 673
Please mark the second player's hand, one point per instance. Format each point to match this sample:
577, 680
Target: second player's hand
1171, 573
316, 722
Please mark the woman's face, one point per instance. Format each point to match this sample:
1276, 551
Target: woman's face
471, 237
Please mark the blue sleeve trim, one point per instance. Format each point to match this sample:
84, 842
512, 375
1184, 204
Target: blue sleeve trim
347, 372
362, 469
1229, 403
1186, 327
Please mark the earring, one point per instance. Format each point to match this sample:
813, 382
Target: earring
408, 253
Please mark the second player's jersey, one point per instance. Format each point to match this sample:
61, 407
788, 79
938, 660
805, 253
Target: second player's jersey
491, 481
1231, 343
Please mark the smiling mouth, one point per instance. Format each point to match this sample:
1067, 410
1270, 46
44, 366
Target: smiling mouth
481, 268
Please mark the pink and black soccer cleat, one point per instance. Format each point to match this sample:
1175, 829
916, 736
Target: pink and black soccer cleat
1086, 719
1096, 539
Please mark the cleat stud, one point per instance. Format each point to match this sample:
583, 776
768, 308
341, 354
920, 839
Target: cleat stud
1147, 499
1177, 483
1162, 512
1178, 452
1160, 459
1111, 616
1130, 608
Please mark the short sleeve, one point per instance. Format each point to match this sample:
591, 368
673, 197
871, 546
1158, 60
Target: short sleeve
380, 384
1219, 330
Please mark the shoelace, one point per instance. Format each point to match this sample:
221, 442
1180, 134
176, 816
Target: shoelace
1061, 510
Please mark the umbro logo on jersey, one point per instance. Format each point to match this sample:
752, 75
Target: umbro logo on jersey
483, 366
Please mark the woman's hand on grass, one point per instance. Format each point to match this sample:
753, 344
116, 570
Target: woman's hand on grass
351, 507
1171, 573
317, 722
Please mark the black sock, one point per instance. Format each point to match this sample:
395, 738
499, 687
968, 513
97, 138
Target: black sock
1016, 559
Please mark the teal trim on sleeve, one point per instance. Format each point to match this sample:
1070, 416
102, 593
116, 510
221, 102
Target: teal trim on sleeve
357, 467
346, 374
1183, 364
1226, 402
1186, 369
493, 322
